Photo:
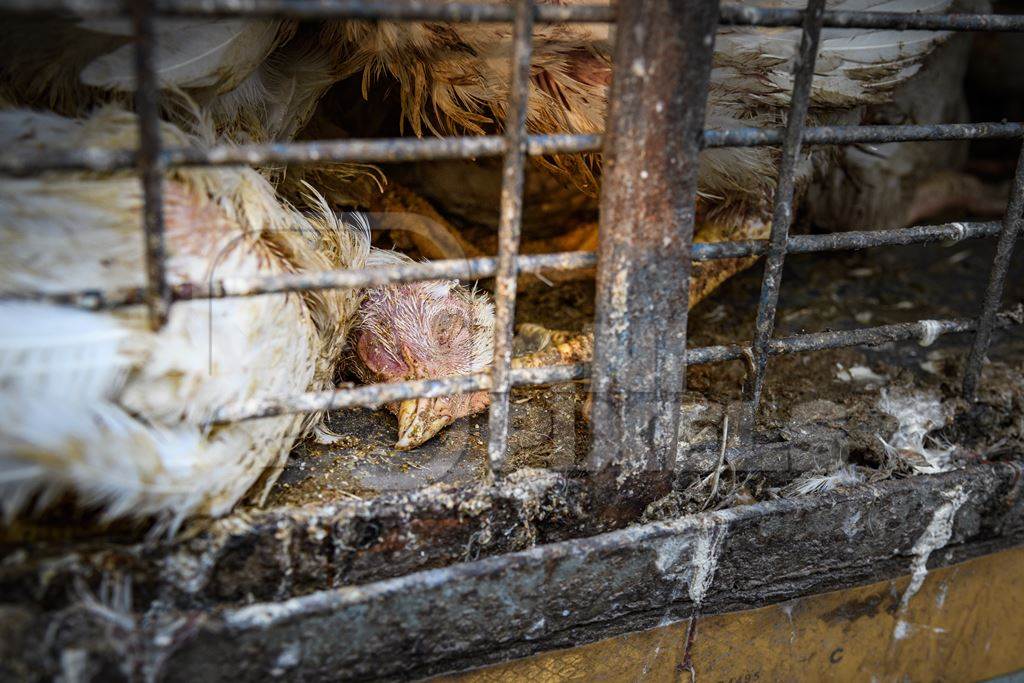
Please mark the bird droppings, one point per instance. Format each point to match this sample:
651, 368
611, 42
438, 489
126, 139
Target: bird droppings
931, 332
289, 658
858, 373
940, 596
850, 527
356, 511
668, 555
935, 537
707, 548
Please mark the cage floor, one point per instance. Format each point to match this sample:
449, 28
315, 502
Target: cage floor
837, 388
323, 527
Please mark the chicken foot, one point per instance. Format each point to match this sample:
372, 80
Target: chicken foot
952, 193
551, 347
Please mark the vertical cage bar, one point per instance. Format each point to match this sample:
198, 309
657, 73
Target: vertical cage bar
147, 106
782, 215
997, 280
509, 230
659, 91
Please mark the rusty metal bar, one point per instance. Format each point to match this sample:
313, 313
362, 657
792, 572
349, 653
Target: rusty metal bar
509, 229
386, 150
484, 267
416, 10
844, 135
782, 215
376, 395
453, 269
744, 15
865, 336
659, 91
389, 150
370, 396
147, 105
85, 159
997, 279
851, 241
396, 10
389, 10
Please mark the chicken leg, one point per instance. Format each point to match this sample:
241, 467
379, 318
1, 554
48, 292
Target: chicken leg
564, 348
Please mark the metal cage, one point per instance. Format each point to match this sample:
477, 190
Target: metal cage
651, 146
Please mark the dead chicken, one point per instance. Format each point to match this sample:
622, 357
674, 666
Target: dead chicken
97, 404
424, 330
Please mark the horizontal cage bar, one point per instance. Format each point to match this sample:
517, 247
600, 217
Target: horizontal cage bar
386, 150
417, 10
484, 267
742, 15
851, 240
416, 149
376, 395
845, 135
391, 10
411, 148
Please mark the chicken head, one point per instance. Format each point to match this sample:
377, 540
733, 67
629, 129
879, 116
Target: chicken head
425, 330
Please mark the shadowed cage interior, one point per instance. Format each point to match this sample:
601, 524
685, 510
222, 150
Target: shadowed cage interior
515, 145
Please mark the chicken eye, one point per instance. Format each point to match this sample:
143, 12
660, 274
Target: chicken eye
374, 353
447, 327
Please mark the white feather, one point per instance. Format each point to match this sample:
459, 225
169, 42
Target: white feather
60, 352
95, 403
847, 476
917, 414
853, 66
277, 99
191, 54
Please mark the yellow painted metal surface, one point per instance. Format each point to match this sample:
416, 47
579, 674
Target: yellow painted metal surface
965, 623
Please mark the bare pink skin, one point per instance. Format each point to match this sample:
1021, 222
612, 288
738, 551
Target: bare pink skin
425, 330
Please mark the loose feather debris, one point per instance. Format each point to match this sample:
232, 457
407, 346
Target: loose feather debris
844, 477
917, 414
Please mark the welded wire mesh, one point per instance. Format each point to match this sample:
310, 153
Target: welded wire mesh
515, 146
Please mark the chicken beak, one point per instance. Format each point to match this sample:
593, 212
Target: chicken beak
419, 420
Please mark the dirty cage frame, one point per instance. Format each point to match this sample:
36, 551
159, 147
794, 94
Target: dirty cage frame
653, 136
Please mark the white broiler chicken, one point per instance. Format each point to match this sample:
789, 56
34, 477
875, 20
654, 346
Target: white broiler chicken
896, 184
96, 403
258, 79
454, 78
